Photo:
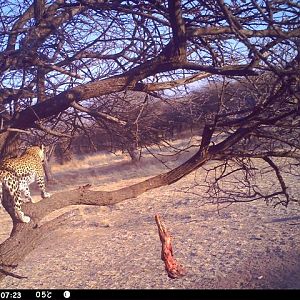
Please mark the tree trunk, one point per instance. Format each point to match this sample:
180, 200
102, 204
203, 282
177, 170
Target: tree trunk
48, 172
8, 144
47, 167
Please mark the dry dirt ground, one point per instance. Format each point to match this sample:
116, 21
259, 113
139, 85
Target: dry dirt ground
242, 246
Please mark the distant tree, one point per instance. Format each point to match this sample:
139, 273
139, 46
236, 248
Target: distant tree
58, 57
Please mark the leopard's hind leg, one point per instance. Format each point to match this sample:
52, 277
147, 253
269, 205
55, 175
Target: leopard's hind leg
18, 210
12, 185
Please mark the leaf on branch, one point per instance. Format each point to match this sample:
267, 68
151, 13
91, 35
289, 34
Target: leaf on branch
173, 268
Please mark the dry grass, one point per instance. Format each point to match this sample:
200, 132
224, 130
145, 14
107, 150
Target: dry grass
112, 170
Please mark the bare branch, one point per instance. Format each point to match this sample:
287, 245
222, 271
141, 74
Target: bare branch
50, 131
280, 179
171, 84
97, 114
194, 31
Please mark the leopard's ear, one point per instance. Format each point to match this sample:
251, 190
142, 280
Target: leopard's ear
42, 147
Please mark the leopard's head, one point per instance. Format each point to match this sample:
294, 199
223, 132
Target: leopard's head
39, 151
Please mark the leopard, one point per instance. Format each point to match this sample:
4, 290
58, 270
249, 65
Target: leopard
16, 174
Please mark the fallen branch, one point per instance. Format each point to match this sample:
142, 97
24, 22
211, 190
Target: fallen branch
173, 268
7, 273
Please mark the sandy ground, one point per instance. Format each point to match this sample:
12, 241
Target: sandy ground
243, 246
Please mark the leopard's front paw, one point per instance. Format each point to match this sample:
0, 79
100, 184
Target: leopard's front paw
46, 195
22, 218
25, 219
